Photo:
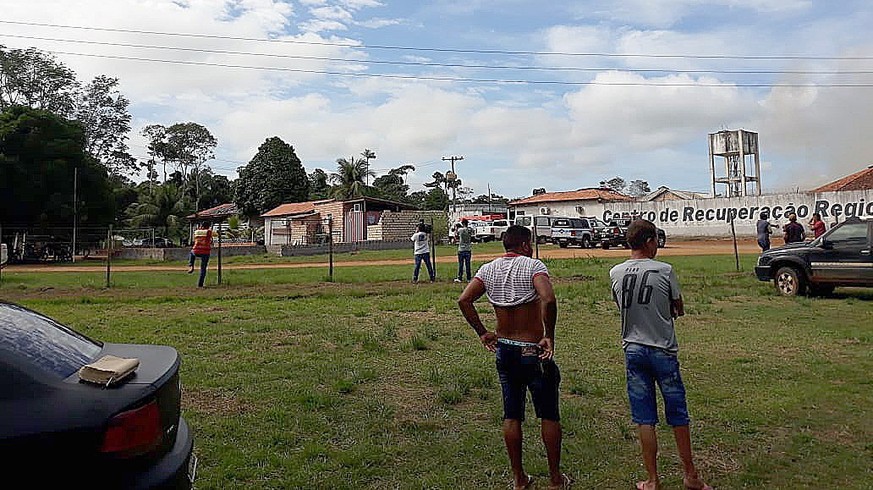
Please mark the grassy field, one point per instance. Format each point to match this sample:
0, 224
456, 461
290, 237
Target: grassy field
373, 382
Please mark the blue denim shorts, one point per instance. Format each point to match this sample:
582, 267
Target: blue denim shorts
647, 366
519, 373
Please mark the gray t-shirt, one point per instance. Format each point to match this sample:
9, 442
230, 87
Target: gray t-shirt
644, 289
465, 239
763, 228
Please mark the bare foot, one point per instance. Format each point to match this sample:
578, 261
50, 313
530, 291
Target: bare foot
565, 482
695, 483
649, 485
525, 484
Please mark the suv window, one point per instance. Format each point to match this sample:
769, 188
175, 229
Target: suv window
522, 220
44, 342
561, 223
541, 221
501, 222
849, 233
577, 223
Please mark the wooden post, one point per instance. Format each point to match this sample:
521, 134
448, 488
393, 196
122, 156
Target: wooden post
736, 251
108, 256
433, 249
219, 253
330, 245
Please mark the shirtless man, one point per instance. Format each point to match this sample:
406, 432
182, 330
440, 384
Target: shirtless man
519, 288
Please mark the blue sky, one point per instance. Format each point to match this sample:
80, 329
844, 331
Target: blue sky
613, 88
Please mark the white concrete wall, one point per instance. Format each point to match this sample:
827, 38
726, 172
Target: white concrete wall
711, 217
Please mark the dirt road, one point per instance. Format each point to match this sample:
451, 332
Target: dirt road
690, 247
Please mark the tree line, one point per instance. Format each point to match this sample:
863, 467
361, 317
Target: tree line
65, 155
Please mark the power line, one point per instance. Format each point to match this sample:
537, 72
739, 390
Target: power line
441, 65
443, 50
472, 79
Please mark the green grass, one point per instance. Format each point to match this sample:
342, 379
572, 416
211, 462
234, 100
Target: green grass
373, 382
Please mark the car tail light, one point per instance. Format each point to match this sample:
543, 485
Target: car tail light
134, 432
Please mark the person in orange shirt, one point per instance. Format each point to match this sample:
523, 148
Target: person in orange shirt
202, 248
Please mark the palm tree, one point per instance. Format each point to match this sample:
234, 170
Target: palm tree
164, 208
368, 154
349, 178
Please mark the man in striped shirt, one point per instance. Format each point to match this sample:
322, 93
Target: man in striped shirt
520, 290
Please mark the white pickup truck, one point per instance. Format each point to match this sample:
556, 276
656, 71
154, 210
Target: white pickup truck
491, 230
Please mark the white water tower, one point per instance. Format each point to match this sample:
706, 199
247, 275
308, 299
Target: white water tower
742, 162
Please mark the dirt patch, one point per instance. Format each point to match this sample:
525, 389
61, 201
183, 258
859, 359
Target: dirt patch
213, 402
689, 247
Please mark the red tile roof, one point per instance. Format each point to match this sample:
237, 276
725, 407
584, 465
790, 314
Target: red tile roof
588, 194
292, 208
858, 181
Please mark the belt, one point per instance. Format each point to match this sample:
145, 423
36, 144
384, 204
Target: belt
517, 343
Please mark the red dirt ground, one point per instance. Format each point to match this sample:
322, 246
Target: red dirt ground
689, 247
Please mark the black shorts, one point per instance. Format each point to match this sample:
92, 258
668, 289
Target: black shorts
520, 371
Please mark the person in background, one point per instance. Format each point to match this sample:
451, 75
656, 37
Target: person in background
421, 251
465, 249
793, 231
763, 229
202, 248
817, 225
648, 297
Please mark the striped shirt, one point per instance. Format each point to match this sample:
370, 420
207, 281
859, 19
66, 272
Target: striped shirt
509, 279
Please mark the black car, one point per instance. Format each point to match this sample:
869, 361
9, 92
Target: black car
843, 256
59, 430
614, 234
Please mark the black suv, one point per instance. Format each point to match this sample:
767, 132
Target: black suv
614, 234
840, 257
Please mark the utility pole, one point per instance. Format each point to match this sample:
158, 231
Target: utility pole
453, 177
75, 211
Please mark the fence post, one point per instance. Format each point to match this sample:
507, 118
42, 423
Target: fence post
736, 251
219, 254
330, 244
108, 256
433, 248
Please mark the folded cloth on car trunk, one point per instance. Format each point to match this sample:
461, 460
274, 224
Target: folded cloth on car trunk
108, 370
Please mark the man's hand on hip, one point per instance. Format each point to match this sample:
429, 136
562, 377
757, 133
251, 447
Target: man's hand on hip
548, 348
489, 340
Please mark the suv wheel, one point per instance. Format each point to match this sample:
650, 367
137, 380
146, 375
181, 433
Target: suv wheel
605, 245
586, 242
789, 281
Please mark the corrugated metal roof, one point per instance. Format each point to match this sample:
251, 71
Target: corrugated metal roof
292, 208
858, 181
220, 211
587, 194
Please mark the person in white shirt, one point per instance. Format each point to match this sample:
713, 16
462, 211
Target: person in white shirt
519, 288
421, 251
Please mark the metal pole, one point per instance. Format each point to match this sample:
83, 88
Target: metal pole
433, 249
8, 253
75, 210
330, 246
108, 255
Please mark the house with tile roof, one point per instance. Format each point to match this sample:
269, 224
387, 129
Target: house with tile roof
580, 202
858, 181
353, 220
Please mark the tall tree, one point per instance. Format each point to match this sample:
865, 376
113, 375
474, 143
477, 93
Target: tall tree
164, 208
436, 200
319, 188
189, 145
638, 188
273, 176
349, 178
102, 111
368, 155
156, 135
616, 183
40, 153
37, 80
392, 185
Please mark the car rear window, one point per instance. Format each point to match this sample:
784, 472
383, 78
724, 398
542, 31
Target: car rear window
562, 223
44, 342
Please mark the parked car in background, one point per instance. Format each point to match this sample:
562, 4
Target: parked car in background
157, 242
4, 254
483, 231
58, 431
572, 231
614, 234
499, 227
843, 256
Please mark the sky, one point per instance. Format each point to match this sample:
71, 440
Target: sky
556, 95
